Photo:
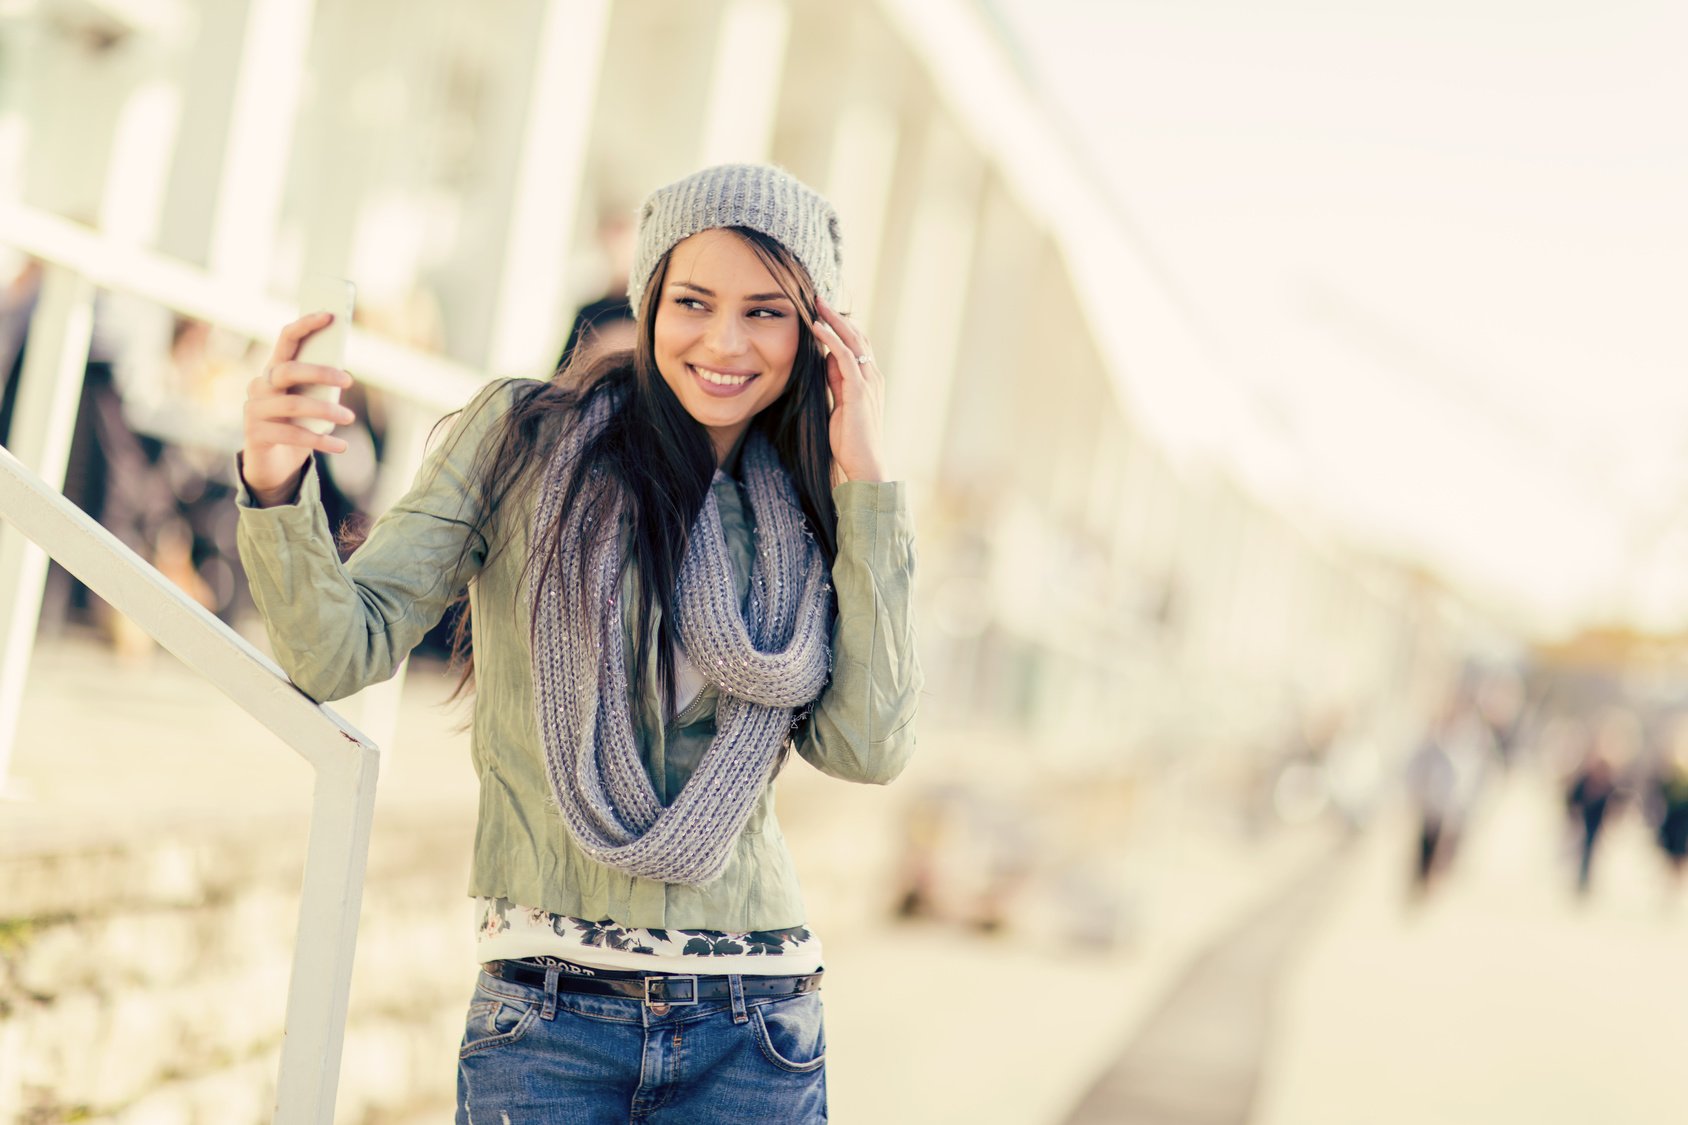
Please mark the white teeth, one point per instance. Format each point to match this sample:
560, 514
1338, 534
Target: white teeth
721, 380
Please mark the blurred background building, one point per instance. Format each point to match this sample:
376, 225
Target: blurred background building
1165, 686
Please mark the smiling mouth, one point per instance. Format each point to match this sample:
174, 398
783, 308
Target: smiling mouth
719, 379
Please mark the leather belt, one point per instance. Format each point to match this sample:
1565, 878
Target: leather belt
657, 988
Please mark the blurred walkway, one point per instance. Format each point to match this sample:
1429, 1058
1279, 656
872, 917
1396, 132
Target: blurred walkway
936, 1026
1197, 1060
1500, 1000
1332, 1001
928, 1023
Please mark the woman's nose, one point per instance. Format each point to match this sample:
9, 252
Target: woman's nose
725, 335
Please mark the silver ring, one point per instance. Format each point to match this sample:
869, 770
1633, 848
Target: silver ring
864, 360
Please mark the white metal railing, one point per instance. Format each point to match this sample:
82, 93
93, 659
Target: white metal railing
45, 524
187, 289
346, 765
79, 260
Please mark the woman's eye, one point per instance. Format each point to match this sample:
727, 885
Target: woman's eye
767, 314
688, 302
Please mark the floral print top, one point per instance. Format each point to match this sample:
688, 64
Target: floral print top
508, 931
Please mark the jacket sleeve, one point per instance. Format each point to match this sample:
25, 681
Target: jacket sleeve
336, 627
862, 726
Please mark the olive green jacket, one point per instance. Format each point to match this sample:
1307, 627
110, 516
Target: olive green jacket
337, 627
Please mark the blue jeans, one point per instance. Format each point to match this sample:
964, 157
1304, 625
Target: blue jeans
535, 1058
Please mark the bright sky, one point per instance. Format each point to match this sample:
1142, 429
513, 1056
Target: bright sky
1444, 244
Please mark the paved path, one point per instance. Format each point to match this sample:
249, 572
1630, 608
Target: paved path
1197, 1059
1500, 1000
928, 1024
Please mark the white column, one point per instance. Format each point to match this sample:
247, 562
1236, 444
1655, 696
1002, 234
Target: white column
528, 316
937, 273
132, 208
14, 140
864, 159
268, 84
207, 71
19, 56
43, 420
143, 145
744, 87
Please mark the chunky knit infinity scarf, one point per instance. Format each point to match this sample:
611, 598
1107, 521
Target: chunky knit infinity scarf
767, 660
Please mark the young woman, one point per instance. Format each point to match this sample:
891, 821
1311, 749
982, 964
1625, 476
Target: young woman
682, 562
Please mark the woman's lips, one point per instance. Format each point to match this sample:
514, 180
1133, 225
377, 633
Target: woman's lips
739, 380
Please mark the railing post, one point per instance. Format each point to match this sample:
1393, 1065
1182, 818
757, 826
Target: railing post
342, 808
42, 424
346, 765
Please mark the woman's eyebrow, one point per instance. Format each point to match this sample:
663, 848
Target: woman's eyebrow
711, 292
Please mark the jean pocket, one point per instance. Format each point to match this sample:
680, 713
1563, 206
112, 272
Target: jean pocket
495, 1021
791, 1033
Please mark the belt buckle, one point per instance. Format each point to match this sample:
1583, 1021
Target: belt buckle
665, 981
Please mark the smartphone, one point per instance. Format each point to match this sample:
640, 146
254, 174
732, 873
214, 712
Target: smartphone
325, 346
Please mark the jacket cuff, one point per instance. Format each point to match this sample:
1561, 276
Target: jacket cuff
856, 500
295, 522
310, 490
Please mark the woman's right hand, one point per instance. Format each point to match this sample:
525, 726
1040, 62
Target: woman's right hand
275, 447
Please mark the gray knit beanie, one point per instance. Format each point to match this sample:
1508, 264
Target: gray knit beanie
759, 196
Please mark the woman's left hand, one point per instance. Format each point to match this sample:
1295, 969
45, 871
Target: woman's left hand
858, 397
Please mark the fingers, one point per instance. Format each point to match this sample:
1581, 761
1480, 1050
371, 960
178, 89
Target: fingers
287, 344
834, 384
274, 419
280, 377
838, 332
269, 407
841, 327
282, 433
842, 370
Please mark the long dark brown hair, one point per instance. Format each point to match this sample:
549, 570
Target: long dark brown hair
655, 459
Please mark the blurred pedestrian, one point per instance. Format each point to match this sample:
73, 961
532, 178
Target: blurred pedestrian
1500, 707
606, 324
1670, 791
1430, 785
646, 546
1592, 791
924, 821
1444, 775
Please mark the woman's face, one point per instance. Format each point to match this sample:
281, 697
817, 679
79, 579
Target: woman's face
725, 335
